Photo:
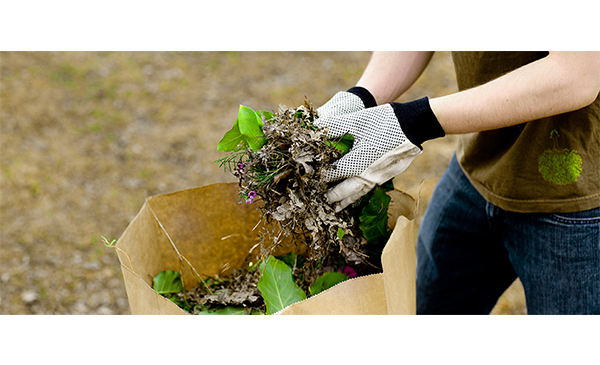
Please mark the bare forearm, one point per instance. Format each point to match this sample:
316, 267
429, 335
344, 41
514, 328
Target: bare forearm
389, 74
558, 83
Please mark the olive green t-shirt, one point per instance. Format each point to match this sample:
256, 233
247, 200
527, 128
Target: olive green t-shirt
547, 165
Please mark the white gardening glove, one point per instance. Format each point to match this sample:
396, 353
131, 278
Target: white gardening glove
345, 102
387, 139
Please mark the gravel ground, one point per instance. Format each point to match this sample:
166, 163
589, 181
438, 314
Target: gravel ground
87, 137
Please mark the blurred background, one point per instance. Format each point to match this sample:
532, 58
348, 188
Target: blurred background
86, 137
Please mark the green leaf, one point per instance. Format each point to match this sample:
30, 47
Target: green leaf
343, 144
326, 281
246, 129
340, 234
231, 139
167, 282
250, 125
184, 305
250, 121
277, 286
374, 219
267, 115
289, 259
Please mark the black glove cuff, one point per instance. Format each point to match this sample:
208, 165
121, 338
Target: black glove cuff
417, 121
365, 95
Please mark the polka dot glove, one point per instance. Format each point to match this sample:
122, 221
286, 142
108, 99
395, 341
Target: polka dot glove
345, 102
387, 139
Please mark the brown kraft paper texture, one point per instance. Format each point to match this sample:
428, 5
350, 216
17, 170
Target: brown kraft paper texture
205, 232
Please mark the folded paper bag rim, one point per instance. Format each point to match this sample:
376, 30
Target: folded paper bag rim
207, 228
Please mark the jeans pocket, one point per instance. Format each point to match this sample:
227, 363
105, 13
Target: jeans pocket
584, 217
557, 257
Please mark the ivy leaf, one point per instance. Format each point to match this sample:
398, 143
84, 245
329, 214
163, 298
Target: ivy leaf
277, 286
231, 139
326, 281
168, 282
374, 219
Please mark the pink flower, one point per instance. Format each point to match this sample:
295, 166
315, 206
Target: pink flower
348, 271
251, 195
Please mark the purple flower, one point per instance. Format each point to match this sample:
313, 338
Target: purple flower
348, 271
250, 197
240, 168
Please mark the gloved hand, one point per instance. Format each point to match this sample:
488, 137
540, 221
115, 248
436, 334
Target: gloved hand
387, 139
345, 102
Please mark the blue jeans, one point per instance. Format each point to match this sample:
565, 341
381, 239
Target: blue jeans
469, 251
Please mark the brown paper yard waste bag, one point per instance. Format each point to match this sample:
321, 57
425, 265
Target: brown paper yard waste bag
205, 229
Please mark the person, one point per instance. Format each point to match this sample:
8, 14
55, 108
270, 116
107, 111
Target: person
521, 195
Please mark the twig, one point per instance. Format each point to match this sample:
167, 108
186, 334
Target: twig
112, 245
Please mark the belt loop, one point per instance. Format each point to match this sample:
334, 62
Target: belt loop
491, 212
